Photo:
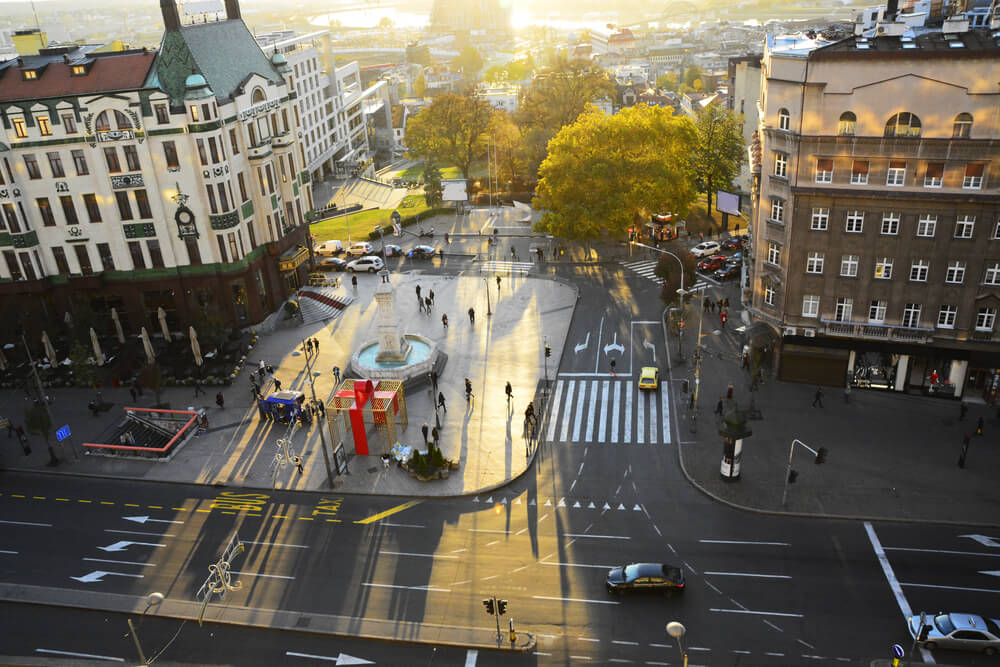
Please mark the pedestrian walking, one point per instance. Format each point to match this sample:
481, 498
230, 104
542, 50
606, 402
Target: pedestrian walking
718, 407
746, 360
529, 412
308, 345
132, 393
722, 318
434, 380
435, 434
818, 397
729, 391
966, 440
613, 374
427, 304
510, 392
270, 370
198, 389
424, 429
441, 403
962, 410
420, 304
498, 284
444, 320
316, 345
513, 253
468, 390
472, 315
354, 282
418, 291
430, 295
706, 304
277, 384
220, 400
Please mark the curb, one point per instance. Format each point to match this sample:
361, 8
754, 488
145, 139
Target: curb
272, 619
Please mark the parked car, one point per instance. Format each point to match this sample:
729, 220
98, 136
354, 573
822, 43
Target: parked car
331, 248
657, 577
706, 248
649, 378
332, 264
360, 249
732, 243
391, 251
369, 263
712, 263
736, 258
967, 632
422, 252
728, 272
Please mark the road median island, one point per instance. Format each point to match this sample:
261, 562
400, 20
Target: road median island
392, 630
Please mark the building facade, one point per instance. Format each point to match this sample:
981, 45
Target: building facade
876, 229
138, 180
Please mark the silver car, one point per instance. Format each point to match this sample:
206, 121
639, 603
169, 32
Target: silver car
967, 632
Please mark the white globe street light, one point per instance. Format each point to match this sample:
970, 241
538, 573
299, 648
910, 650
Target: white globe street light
677, 630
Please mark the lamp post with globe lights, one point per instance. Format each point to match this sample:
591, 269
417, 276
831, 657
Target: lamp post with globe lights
677, 630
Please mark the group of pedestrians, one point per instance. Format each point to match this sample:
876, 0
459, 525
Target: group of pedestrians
426, 303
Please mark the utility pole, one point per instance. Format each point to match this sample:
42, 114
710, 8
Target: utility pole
310, 355
41, 398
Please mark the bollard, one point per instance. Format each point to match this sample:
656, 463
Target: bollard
513, 633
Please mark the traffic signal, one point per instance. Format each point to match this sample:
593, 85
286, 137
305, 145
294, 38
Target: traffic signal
684, 386
548, 351
501, 607
925, 630
489, 606
821, 455
792, 476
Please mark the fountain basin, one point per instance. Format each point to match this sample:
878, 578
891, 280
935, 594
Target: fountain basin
419, 361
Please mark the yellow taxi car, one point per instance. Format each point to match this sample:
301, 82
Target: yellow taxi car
649, 378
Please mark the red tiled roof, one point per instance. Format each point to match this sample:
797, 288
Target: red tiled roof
105, 74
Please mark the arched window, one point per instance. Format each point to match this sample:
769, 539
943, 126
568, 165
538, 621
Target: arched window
122, 121
784, 119
962, 126
257, 96
102, 124
848, 121
904, 124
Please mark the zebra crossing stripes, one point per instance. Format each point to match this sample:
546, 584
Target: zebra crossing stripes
645, 268
502, 266
607, 411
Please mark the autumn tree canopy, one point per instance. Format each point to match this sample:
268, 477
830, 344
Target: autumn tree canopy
451, 131
605, 173
720, 151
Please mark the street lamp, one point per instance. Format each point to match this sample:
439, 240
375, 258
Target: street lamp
677, 630
697, 359
680, 300
152, 600
486, 281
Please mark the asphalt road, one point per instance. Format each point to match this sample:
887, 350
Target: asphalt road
762, 590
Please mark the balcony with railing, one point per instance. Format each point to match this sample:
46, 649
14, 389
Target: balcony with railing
875, 331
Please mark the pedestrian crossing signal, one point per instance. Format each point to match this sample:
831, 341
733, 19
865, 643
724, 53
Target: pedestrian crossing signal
489, 606
501, 607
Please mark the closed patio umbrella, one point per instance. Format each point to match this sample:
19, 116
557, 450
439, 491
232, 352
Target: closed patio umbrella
162, 316
68, 319
118, 325
98, 354
148, 346
50, 351
195, 347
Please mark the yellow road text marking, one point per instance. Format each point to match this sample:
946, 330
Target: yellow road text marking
389, 512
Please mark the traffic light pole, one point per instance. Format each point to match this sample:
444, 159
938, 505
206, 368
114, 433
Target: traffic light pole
820, 457
497, 607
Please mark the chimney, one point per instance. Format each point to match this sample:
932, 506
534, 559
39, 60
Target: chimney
892, 8
171, 17
232, 9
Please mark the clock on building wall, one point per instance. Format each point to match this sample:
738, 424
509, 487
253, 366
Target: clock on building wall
184, 217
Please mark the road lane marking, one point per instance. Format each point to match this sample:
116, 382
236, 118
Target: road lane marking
588, 639
92, 656
340, 659
136, 532
748, 574
627, 429
581, 397
652, 420
954, 588
402, 525
756, 613
489, 530
392, 510
546, 597
767, 622
550, 434
603, 429
615, 408
410, 588
27, 523
564, 432
592, 411
266, 576
276, 544
764, 544
598, 567
640, 424
624, 643
470, 657
942, 551
665, 417
5, 551
407, 553
119, 562
600, 537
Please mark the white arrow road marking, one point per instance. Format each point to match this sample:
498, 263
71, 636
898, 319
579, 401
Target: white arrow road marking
136, 532
144, 519
341, 659
985, 541
546, 597
992, 573
577, 349
596, 567
27, 523
92, 656
5, 551
123, 545
97, 575
651, 347
614, 345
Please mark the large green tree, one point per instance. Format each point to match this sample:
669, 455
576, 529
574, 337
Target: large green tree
720, 152
605, 173
508, 147
469, 61
560, 93
433, 192
451, 131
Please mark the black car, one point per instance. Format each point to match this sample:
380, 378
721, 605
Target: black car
422, 252
728, 272
389, 251
646, 577
332, 264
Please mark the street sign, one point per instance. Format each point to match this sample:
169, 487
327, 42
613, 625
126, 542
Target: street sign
63, 433
897, 650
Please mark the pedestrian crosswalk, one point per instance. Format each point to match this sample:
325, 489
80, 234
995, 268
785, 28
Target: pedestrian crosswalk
645, 268
503, 266
571, 503
612, 411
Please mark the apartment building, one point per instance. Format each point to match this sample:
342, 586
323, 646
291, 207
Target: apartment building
143, 179
876, 229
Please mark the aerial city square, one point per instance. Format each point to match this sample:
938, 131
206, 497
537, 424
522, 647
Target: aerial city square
703, 366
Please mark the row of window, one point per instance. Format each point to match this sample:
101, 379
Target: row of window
57, 170
854, 222
896, 173
910, 315
903, 124
883, 268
